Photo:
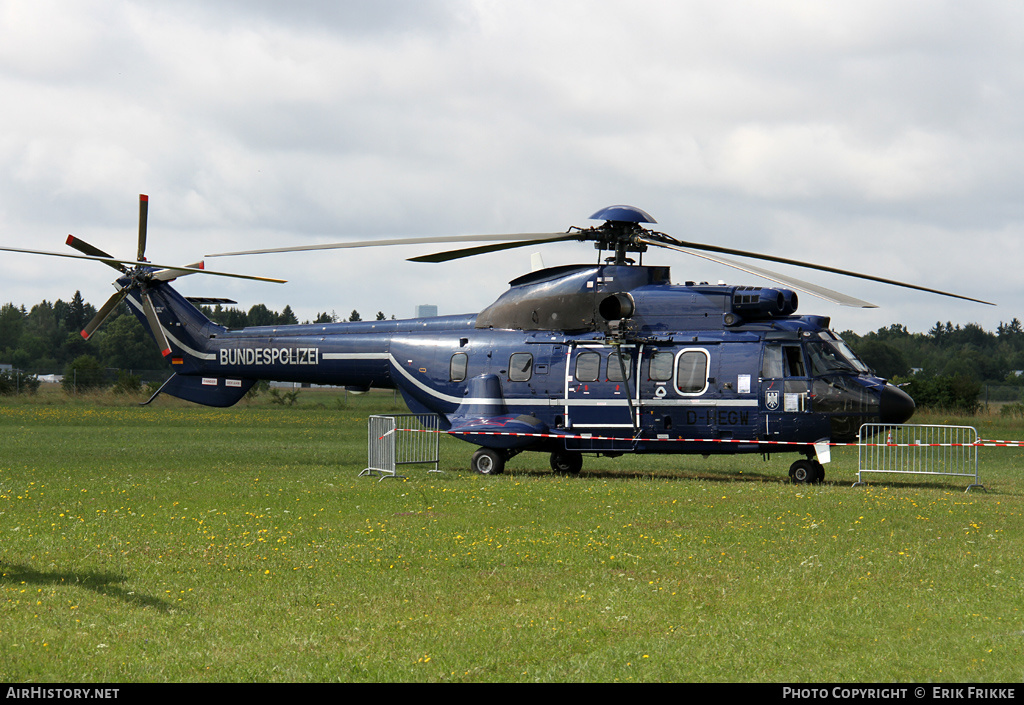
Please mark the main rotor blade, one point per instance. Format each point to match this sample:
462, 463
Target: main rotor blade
676, 244
154, 324
177, 268
483, 249
528, 237
85, 248
813, 289
104, 311
143, 224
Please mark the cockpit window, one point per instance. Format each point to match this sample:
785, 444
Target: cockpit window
782, 361
834, 356
794, 361
851, 356
771, 366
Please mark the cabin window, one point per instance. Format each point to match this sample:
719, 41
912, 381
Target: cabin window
692, 371
661, 367
457, 367
520, 367
615, 367
588, 367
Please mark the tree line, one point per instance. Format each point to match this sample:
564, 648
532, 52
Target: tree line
949, 366
945, 350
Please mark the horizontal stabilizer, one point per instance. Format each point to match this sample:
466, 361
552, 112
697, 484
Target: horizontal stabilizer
208, 300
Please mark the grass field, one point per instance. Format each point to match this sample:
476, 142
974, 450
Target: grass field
180, 543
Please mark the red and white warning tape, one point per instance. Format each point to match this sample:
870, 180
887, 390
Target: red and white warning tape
1000, 444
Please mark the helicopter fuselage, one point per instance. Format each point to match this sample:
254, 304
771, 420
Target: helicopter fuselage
606, 359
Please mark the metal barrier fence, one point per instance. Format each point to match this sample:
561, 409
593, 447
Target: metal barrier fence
401, 439
915, 449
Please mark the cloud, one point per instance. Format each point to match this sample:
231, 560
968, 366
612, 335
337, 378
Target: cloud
876, 136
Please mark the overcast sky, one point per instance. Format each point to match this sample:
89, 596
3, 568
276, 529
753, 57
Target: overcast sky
884, 137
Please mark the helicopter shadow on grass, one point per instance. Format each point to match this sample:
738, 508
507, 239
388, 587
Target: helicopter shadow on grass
727, 477
102, 583
669, 475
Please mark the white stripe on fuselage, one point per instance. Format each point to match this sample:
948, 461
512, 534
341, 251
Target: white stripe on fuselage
559, 401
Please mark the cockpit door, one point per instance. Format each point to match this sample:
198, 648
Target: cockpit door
785, 387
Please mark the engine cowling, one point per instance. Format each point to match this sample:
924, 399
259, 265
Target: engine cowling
753, 302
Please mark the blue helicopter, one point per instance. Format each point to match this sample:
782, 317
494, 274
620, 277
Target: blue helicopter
606, 358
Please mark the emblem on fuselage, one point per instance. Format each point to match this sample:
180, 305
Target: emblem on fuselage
771, 400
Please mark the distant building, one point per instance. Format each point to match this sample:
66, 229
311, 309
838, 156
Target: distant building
426, 311
10, 368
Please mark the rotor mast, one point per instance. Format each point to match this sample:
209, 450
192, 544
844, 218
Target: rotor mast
620, 238
621, 231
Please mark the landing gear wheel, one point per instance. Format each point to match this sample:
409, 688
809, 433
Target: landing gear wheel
565, 462
806, 472
488, 461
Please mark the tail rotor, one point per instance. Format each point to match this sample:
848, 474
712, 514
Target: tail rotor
114, 301
136, 275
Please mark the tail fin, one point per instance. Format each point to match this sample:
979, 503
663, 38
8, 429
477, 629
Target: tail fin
184, 327
188, 332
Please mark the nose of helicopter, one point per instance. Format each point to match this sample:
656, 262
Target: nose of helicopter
895, 405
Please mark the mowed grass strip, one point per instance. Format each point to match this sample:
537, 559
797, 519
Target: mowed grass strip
178, 543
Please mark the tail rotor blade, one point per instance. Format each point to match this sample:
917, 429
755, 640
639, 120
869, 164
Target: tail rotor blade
102, 314
169, 275
86, 249
154, 324
143, 219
